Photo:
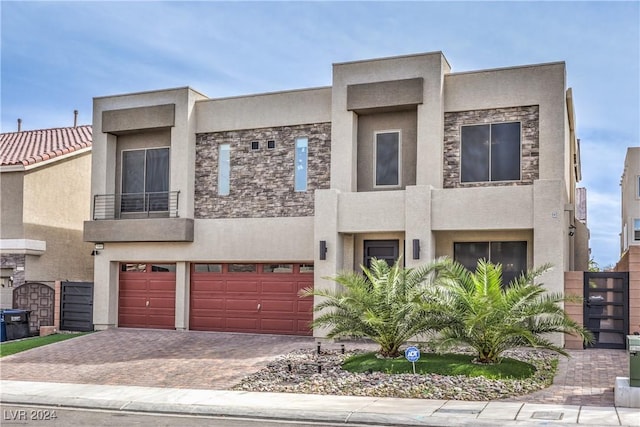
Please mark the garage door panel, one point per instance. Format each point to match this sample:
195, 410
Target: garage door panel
243, 305
199, 285
287, 307
207, 304
279, 287
278, 325
244, 286
262, 302
162, 285
147, 299
134, 285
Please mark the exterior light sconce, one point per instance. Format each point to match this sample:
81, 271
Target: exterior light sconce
572, 230
416, 248
97, 248
323, 249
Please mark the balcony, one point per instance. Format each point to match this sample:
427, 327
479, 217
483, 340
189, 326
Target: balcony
138, 217
162, 204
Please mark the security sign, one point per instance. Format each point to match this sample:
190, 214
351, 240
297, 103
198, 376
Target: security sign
412, 354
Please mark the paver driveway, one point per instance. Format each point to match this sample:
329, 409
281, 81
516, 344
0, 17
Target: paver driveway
212, 360
157, 358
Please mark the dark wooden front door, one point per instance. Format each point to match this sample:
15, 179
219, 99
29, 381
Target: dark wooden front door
606, 308
387, 250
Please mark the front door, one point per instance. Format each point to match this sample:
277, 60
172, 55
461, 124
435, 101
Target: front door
387, 250
606, 308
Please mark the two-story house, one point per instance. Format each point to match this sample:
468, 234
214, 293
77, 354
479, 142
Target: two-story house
211, 214
630, 233
45, 190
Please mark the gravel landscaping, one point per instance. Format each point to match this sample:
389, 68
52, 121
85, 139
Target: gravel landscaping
298, 372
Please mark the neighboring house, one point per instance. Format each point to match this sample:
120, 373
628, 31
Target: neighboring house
630, 233
211, 214
45, 190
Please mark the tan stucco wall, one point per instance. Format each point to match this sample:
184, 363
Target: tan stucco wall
368, 125
430, 67
182, 141
219, 240
11, 205
264, 110
542, 85
629, 192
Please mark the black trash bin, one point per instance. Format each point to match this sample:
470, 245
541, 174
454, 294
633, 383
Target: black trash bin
16, 324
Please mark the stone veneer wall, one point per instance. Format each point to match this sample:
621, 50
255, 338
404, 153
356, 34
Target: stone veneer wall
14, 261
528, 116
261, 181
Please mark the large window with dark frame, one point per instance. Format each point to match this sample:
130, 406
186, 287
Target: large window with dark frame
145, 180
387, 152
490, 152
511, 255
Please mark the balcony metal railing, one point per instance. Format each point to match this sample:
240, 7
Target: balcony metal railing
136, 205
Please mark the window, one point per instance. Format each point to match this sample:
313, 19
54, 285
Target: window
242, 268
636, 230
271, 144
145, 180
511, 255
302, 146
638, 187
255, 145
387, 159
224, 169
277, 268
490, 152
207, 268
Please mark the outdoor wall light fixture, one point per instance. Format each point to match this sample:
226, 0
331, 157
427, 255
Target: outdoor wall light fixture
572, 230
97, 248
416, 248
323, 249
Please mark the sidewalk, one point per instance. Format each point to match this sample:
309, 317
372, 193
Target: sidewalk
298, 407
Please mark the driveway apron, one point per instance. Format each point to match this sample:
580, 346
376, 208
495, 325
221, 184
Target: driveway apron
216, 360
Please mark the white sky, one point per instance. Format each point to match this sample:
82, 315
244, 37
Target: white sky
57, 56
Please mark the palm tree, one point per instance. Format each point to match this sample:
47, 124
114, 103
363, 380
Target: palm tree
385, 304
491, 318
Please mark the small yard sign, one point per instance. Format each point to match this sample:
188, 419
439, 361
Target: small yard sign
413, 355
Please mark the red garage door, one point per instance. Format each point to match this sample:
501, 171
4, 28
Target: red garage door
147, 296
257, 298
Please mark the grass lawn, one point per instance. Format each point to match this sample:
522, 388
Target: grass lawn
12, 347
442, 364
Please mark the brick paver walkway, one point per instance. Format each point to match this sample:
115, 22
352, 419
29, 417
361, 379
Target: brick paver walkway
210, 360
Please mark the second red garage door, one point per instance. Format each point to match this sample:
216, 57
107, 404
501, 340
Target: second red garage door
256, 298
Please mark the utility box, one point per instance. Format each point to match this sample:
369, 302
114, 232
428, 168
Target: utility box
633, 344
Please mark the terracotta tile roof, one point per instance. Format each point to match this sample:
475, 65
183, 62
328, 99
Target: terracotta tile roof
33, 146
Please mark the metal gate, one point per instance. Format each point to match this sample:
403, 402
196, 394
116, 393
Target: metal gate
37, 298
76, 306
606, 308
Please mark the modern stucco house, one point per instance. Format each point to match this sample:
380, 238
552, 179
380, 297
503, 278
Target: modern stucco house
45, 190
211, 214
630, 232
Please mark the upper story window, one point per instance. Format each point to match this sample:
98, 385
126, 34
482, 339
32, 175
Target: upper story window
224, 169
636, 230
638, 186
145, 180
302, 155
387, 158
490, 152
